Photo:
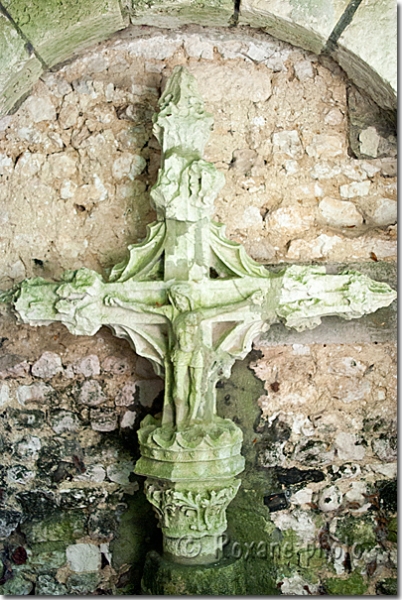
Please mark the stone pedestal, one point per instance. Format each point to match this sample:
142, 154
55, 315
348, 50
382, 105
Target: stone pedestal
190, 483
165, 578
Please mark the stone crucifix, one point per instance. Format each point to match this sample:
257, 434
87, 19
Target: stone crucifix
191, 301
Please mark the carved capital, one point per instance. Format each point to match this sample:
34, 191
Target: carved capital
192, 517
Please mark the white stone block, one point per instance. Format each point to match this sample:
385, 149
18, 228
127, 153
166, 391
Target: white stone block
47, 366
356, 189
339, 213
83, 558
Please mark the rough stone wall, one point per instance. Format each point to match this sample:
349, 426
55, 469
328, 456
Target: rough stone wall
310, 176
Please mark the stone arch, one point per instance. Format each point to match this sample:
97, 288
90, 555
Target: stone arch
360, 36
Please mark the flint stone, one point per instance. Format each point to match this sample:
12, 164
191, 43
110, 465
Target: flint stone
17, 586
126, 395
19, 474
51, 555
36, 392
64, 420
243, 160
29, 447
389, 167
291, 166
47, 586
4, 394
91, 393
12, 365
68, 115
162, 48
76, 498
385, 449
83, 583
83, 558
27, 418
94, 473
334, 117
347, 447
339, 213
369, 142
48, 365
116, 365
128, 165
103, 419
252, 217
325, 146
6, 163
199, 48
330, 499
63, 165
299, 521
9, 521
120, 472
381, 211
88, 366
128, 419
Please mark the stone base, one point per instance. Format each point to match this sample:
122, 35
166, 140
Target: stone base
164, 578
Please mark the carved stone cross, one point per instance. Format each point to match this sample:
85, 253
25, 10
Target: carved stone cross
191, 301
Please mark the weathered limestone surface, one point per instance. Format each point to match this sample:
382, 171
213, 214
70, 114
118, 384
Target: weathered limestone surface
367, 50
305, 24
59, 30
100, 165
174, 13
19, 68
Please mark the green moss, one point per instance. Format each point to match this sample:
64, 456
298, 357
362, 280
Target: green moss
387, 587
237, 400
388, 491
164, 578
250, 529
354, 585
290, 557
83, 583
136, 533
63, 527
358, 531
17, 586
393, 530
49, 554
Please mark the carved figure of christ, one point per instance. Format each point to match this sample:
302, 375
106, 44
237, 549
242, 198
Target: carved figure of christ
190, 357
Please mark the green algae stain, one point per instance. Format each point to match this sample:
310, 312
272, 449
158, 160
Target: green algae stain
249, 535
354, 585
358, 531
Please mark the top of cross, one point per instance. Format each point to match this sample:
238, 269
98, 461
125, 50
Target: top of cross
187, 185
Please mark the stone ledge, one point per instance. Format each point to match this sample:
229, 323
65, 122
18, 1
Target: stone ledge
174, 13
